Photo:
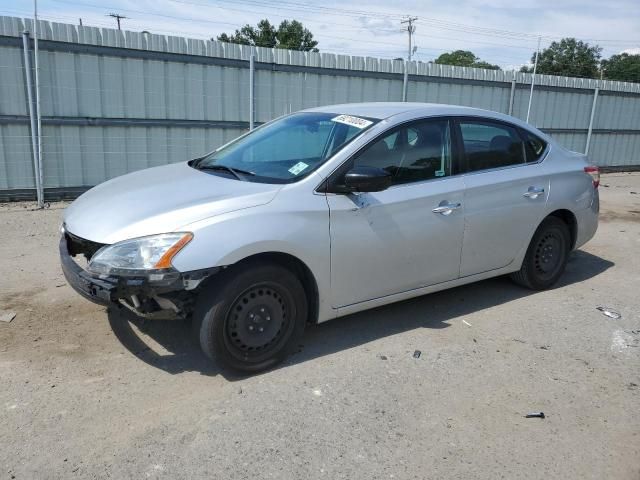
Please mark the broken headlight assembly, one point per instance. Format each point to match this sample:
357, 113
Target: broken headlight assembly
145, 256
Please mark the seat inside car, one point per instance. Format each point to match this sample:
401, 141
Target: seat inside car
501, 152
376, 156
422, 158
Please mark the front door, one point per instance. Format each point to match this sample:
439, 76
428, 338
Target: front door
407, 236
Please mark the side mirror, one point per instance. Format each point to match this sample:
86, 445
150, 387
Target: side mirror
367, 179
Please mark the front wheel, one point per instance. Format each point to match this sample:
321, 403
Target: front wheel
546, 256
252, 317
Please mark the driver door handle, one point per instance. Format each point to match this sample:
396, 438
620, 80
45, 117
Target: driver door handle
446, 208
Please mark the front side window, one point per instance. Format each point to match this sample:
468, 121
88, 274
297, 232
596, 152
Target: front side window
411, 153
490, 145
287, 149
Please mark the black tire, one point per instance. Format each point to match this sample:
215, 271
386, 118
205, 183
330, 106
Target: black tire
546, 256
250, 318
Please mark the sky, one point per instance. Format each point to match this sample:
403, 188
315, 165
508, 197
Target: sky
503, 32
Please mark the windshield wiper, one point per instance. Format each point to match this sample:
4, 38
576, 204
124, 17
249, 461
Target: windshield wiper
236, 172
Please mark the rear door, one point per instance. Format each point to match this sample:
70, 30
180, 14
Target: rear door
505, 196
393, 241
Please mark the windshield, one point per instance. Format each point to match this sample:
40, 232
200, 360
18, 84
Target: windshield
287, 149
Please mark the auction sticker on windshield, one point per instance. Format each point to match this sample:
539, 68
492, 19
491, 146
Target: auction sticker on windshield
353, 121
298, 168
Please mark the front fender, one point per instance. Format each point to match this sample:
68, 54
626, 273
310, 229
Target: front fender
299, 229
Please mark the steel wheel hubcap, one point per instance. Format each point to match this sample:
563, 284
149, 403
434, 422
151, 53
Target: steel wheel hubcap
548, 254
257, 320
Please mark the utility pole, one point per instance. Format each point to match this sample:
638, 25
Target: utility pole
411, 28
118, 17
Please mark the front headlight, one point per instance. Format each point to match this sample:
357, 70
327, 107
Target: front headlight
139, 255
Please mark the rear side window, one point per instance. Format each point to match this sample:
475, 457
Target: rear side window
533, 146
491, 145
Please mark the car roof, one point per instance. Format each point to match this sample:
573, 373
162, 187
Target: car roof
384, 110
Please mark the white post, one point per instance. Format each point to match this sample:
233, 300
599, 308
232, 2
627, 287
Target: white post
32, 117
533, 79
593, 114
38, 116
512, 96
405, 81
252, 72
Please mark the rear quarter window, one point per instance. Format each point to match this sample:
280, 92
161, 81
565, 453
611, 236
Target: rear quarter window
534, 146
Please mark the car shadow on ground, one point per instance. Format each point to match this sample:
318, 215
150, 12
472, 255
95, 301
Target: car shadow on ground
169, 345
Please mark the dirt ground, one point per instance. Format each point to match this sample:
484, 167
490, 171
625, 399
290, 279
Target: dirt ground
86, 393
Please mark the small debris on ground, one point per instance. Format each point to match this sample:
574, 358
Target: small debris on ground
466, 323
609, 312
534, 415
382, 357
417, 354
544, 347
634, 193
7, 317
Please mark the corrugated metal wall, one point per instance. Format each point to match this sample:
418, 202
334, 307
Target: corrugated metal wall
113, 102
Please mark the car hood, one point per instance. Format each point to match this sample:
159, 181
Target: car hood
159, 200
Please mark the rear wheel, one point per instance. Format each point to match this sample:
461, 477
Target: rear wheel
546, 256
251, 318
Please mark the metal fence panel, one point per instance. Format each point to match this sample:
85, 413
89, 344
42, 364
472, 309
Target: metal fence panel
13, 99
623, 147
87, 155
618, 112
572, 141
16, 168
115, 101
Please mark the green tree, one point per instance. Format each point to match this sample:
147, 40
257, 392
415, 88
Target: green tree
464, 58
264, 35
568, 57
623, 67
290, 35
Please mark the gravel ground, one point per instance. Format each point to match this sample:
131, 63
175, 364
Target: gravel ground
89, 394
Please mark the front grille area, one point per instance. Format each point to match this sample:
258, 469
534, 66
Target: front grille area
80, 246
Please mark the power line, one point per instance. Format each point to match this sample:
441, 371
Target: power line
435, 23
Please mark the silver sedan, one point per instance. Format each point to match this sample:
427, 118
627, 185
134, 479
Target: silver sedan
327, 212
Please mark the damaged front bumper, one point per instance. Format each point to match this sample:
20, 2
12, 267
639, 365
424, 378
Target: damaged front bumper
168, 298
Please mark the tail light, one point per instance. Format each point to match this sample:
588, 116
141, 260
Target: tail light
594, 173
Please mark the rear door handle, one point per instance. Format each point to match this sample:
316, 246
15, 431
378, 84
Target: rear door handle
533, 192
446, 208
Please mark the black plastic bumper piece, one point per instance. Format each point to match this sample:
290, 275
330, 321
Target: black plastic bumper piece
97, 290
105, 290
